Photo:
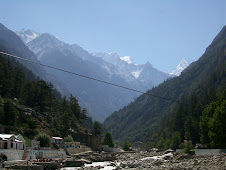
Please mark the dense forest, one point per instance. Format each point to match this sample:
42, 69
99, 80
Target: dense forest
29, 105
167, 123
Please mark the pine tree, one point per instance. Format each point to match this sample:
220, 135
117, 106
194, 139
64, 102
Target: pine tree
10, 113
212, 123
108, 140
97, 129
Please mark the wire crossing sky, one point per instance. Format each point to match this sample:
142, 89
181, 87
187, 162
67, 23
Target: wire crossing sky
161, 32
84, 76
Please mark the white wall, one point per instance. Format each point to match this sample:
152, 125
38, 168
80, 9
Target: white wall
17, 154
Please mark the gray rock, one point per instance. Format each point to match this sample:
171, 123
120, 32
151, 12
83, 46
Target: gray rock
184, 156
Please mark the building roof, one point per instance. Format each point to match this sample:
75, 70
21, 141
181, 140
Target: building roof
57, 138
18, 141
5, 137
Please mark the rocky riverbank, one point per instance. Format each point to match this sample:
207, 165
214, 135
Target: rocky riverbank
161, 160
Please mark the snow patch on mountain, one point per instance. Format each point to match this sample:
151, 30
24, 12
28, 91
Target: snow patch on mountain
183, 64
111, 57
127, 59
27, 35
136, 74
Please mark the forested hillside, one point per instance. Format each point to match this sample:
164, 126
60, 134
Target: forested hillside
158, 122
29, 105
11, 43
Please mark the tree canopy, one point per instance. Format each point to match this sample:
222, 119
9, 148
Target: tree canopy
108, 140
212, 123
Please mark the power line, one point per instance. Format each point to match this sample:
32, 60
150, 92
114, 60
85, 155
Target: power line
80, 75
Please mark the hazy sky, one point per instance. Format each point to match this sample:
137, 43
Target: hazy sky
162, 32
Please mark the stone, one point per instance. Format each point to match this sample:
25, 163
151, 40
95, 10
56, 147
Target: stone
183, 156
168, 151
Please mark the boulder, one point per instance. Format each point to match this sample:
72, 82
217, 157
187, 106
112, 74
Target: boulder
168, 151
183, 156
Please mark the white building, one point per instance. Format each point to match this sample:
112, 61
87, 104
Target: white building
56, 140
11, 141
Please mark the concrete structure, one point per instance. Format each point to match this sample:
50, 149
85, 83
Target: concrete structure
70, 145
33, 154
56, 140
106, 148
35, 144
10, 141
205, 152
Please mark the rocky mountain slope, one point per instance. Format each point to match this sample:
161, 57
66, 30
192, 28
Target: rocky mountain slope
146, 74
100, 99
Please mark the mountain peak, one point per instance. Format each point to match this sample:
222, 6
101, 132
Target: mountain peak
181, 66
113, 53
127, 59
27, 35
148, 64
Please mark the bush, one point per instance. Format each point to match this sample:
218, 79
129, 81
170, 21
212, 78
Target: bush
160, 143
44, 140
187, 148
108, 140
126, 146
69, 138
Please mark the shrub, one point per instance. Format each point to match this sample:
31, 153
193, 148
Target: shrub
126, 146
44, 140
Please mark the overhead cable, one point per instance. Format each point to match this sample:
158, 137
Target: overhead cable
91, 78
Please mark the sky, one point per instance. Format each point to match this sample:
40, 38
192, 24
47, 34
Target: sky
162, 32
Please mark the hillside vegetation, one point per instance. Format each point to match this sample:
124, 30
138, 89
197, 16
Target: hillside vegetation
29, 105
159, 122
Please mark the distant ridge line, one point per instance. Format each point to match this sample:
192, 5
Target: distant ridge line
80, 75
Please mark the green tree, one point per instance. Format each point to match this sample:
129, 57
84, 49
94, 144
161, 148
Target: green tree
7, 81
97, 128
108, 140
44, 140
167, 143
2, 114
69, 138
10, 113
212, 123
175, 141
126, 145
206, 115
217, 126
188, 147
160, 144
75, 107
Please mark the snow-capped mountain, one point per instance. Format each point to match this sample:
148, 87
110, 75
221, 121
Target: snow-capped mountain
12, 43
181, 66
100, 99
145, 74
27, 35
127, 59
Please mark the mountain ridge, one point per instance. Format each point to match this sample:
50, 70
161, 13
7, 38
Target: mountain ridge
142, 118
111, 68
12, 43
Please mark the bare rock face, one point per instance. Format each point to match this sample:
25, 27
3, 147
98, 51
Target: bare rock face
153, 160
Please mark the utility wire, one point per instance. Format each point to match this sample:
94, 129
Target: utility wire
80, 75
